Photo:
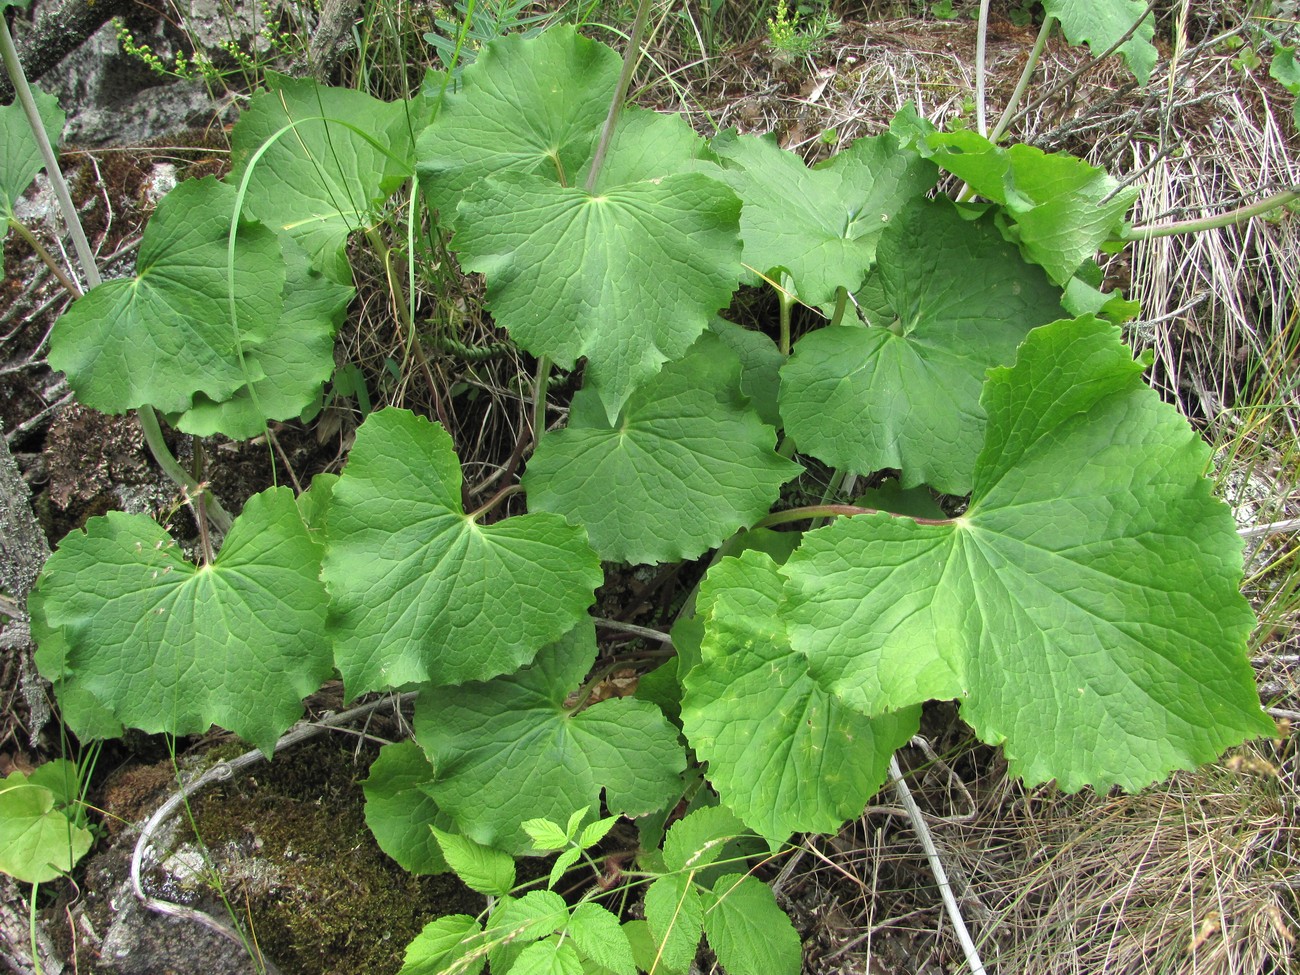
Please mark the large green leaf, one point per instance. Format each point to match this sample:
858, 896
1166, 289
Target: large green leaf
167, 334
20, 157
400, 813
1102, 23
785, 751
1064, 209
513, 748
337, 154
949, 299
820, 224
529, 105
748, 932
686, 465
628, 277
170, 647
1085, 607
422, 591
294, 361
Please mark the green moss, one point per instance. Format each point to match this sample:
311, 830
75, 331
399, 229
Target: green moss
327, 901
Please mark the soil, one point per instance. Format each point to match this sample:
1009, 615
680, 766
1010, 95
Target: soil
299, 869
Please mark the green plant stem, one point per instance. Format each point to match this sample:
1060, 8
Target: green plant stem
631, 57
786, 301
31, 903
841, 303
1232, 217
493, 501
539, 399
46, 257
153, 437
1035, 54
830, 510
832, 489
23, 91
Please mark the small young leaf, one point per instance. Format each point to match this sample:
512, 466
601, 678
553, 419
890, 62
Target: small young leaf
170, 647
442, 944
538, 914
685, 466
786, 751
698, 839
420, 590
547, 958
675, 913
510, 747
575, 821
748, 932
1064, 208
593, 833
546, 835
400, 813
20, 157
479, 867
562, 864
37, 841
598, 935
59, 776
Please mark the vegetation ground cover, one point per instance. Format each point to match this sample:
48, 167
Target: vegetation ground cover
1257, 411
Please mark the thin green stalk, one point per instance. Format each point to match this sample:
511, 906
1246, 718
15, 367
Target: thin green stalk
786, 300
631, 57
14, 68
1035, 54
841, 302
846, 510
153, 438
1228, 219
31, 904
539, 399
832, 489
46, 257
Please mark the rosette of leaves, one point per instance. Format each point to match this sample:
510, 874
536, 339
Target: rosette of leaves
1093, 570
